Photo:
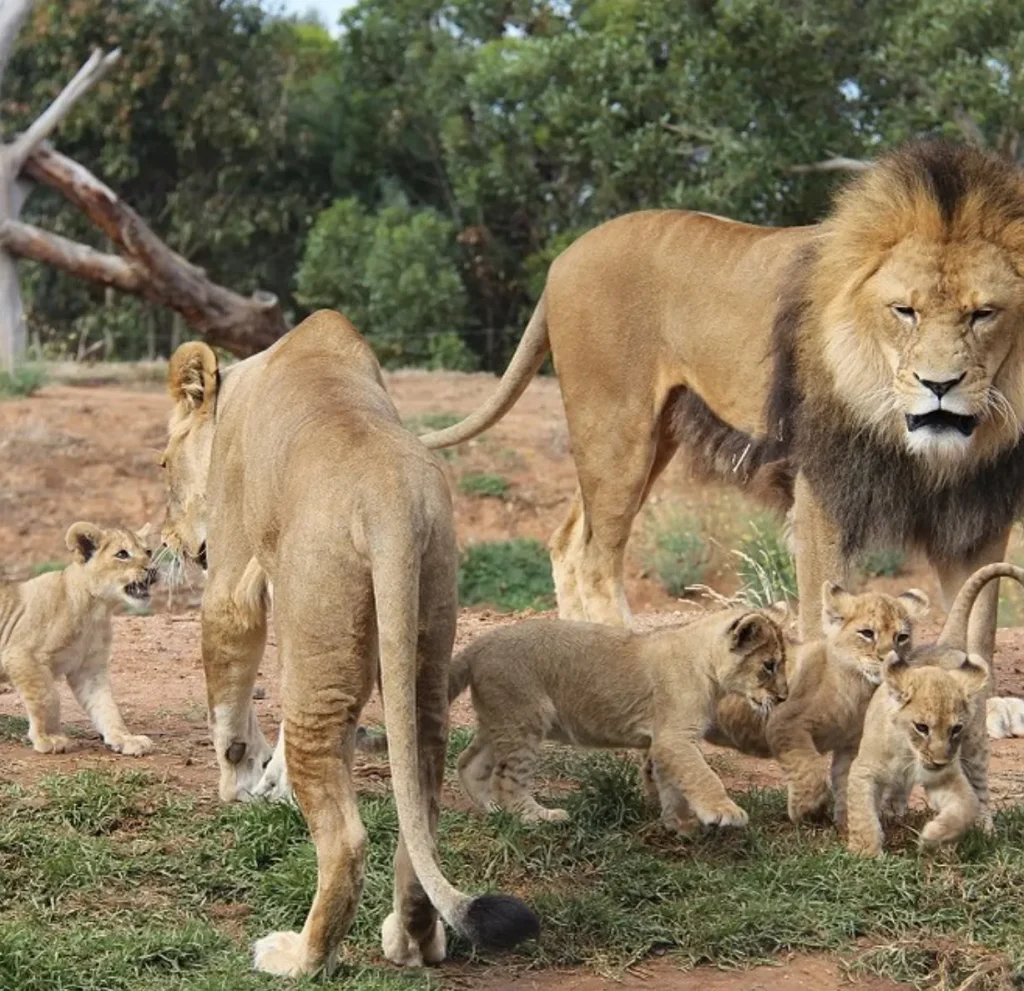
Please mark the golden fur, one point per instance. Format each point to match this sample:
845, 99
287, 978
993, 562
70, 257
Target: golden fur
774, 353
293, 469
58, 626
597, 686
831, 681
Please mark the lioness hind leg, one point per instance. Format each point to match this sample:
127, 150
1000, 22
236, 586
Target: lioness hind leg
566, 549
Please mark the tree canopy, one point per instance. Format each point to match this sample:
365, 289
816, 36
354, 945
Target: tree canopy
421, 169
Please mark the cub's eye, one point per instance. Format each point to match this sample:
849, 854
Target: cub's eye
902, 638
982, 315
921, 728
905, 313
868, 635
122, 555
770, 667
955, 731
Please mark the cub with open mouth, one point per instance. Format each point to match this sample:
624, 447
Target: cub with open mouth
58, 625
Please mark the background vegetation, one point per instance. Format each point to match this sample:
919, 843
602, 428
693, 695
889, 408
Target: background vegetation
422, 169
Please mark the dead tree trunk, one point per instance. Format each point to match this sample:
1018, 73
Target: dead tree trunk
144, 265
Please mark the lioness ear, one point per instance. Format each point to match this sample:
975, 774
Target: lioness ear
749, 631
192, 375
915, 602
895, 673
973, 674
83, 539
835, 601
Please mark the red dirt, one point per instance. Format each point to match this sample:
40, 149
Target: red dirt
88, 452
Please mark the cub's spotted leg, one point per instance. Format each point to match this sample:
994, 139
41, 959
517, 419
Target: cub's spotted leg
806, 770
864, 829
476, 765
841, 761
35, 685
514, 761
974, 761
957, 806
91, 686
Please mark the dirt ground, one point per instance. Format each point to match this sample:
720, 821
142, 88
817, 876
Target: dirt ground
89, 451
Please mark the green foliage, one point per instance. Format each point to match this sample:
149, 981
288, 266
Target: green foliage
676, 552
114, 883
485, 485
23, 381
43, 567
766, 567
884, 562
510, 575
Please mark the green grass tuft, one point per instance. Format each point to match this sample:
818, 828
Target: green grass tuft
884, 562
510, 575
676, 551
426, 422
45, 567
484, 485
766, 566
23, 381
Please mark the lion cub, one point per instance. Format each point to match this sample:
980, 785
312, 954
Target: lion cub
58, 625
831, 681
913, 732
600, 686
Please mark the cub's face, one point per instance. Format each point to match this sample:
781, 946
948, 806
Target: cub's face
933, 706
863, 630
115, 562
756, 663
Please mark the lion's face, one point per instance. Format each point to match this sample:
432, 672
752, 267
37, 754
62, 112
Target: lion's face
193, 382
757, 661
864, 630
115, 562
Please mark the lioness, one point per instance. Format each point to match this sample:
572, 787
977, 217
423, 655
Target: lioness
596, 686
57, 625
293, 468
875, 357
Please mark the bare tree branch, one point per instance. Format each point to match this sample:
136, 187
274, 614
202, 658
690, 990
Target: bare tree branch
44, 125
26, 241
836, 164
242, 326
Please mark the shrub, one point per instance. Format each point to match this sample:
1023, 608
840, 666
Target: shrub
677, 553
766, 569
486, 486
23, 381
44, 566
884, 562
508, 574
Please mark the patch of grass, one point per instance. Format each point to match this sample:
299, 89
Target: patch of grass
22, 382
510, 575
44, 567
13, 728
676, 551
426, 422
766, 566
482, 484
112, 882
883, 562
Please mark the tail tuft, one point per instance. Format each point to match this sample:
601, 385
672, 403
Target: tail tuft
499, 922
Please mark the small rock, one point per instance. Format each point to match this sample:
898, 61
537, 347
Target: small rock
259, 692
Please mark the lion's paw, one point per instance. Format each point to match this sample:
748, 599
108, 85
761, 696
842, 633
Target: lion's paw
132, 746
275, 786
51, 744
401, 949
729, 814
280, 953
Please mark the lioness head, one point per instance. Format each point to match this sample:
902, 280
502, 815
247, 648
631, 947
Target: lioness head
114, 562
934, 704
921, 266
756, 666
193, 380
863, 630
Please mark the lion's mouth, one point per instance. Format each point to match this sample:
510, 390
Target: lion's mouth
942, 420
138, 590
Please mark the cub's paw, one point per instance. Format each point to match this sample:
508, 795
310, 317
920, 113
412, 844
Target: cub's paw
541, 814
936, 833
132, 746
809, 803
864, 845
685, 825
281, 953
400, 948
986, 824
274, 785
729, 814
47, 744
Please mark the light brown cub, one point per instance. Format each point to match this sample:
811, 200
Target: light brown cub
58, 625
599, 686
913, 732
831, 682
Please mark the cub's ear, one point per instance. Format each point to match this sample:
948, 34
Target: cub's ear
915, 602
752, 630
193, 376
973, 674
82, 540
896, 673
835, 606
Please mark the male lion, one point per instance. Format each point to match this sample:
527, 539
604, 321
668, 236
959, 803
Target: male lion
870, 367
293, 468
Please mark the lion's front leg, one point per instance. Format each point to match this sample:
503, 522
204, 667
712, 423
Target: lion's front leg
233, 642
819, 556
91, 686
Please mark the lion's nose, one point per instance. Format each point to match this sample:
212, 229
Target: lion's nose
940, 388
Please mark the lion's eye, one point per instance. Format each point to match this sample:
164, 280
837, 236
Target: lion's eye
921, 728
122, 555
955, 731
906, 313
982, 315
902, 638
770, 667
868, 635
